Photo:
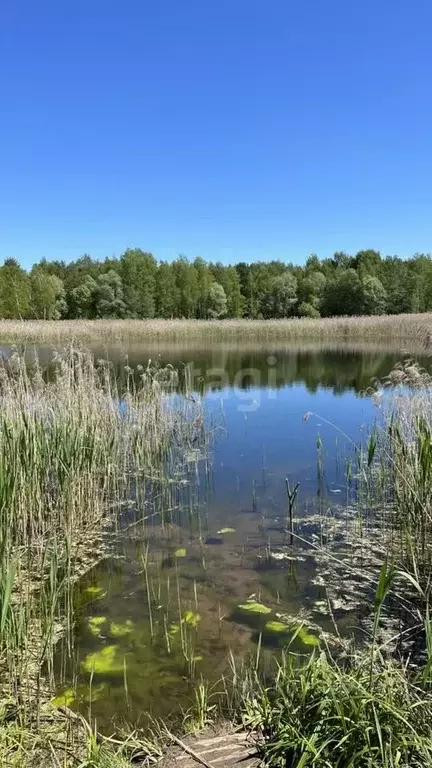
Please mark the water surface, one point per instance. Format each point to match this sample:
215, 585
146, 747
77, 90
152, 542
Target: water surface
165, 608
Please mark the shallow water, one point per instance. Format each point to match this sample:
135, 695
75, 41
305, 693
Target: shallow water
229, 543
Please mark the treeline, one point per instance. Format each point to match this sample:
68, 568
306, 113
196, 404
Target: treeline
137, 286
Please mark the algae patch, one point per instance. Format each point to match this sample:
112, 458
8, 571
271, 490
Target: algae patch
181, 552
276, 626
253, 607
103, 662
64, 699
118, 629
95, 623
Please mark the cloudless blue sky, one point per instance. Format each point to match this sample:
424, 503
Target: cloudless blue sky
230, 129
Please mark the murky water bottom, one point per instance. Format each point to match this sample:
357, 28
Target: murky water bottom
175, 598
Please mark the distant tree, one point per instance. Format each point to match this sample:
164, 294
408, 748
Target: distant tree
343, 294
311, 288
397, 280
229, 279
48, 298
216, 302
77, 271
81, 300
367, 263
312, 263
138, 274
342, 260
204, 279
374, 296
108, 295
246, 289
232, 290
14, 291
281, 297
187, 287
307, 310
135, 285
166, 294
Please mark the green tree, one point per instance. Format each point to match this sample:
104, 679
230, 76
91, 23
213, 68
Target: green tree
138, 274
14, 291
246, 289
281, 297
215, 301
187, 287
398, 284
204, 279
166, 294
307, 310
229, 279
48, 298
374, 296
311, 289
343, 294
81, 300
108, 295
231, 286
367, 263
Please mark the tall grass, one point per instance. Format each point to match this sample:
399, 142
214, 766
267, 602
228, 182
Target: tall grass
399, 467
400, 327
74, 448
320, 713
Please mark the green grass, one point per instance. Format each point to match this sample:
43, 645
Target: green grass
74, 448
324, 714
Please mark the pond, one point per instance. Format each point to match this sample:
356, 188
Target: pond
173, 600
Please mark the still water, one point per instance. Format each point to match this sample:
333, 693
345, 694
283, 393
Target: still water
172, 601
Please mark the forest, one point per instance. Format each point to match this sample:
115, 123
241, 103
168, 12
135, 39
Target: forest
136, 285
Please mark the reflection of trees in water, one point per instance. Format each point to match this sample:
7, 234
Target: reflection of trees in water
338, 369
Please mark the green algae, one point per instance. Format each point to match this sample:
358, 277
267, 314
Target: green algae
253, 607
276, 626
95, 623
103, 662
64, 699
95, 693
308, 638
94, 591
181, 552
117, 629
192, 619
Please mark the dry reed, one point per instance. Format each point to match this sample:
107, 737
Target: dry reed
400, 327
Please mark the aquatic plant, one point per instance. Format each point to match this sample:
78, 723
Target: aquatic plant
251, 606
105, 661
95, 623
180, 552
121, 629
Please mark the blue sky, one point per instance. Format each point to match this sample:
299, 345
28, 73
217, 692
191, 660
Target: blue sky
236, 129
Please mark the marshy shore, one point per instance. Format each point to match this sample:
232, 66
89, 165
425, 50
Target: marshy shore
76, 448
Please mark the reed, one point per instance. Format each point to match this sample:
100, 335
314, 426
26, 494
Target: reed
74, 448
407, 327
